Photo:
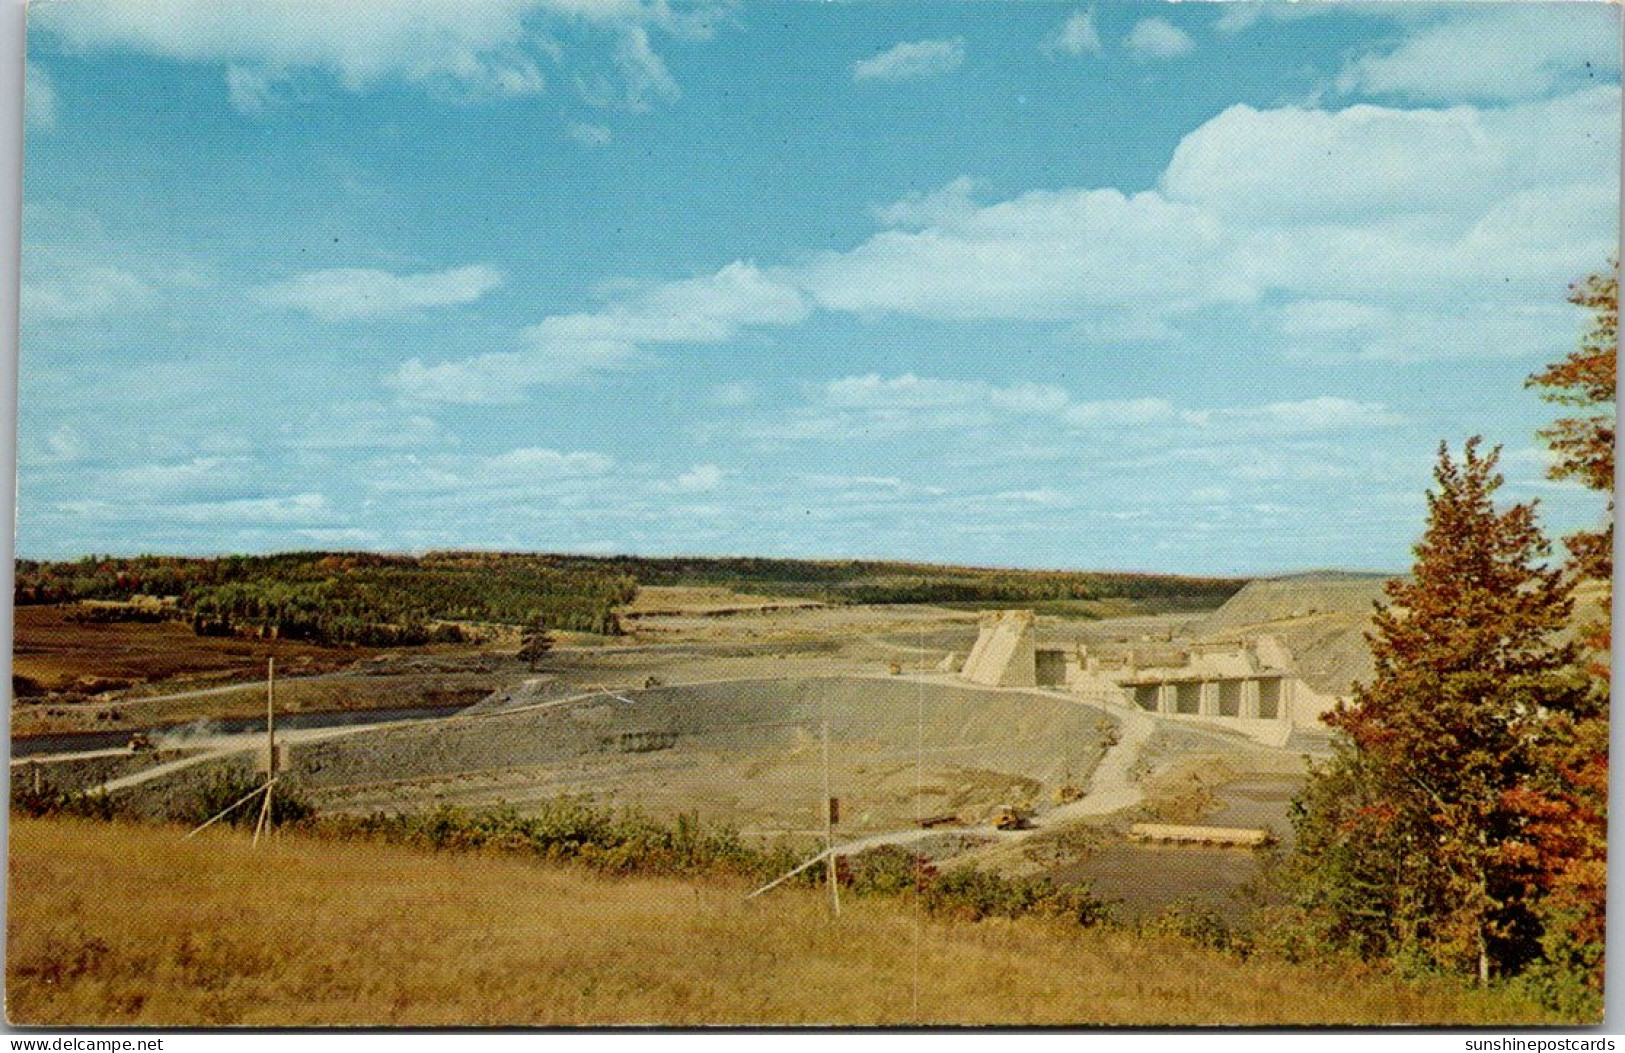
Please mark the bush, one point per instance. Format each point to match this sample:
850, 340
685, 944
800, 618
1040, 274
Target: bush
288, 806
1200, 925
573, 830
977, 894
887, 870
47, 800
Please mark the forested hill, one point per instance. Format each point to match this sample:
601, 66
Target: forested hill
351, 597
891, 581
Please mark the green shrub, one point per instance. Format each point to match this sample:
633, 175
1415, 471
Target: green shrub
48, 800
1200, 925
288, 806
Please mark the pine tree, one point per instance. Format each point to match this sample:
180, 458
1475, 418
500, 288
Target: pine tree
1403, 835
536, 644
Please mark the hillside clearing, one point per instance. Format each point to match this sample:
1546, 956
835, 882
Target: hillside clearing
312, 933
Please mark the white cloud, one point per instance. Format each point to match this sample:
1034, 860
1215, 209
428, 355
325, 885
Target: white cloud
364, 425
298, 508
1241, 14
590, 134
873, 405
1077, 36
733, 395
1374, 231
82, 293
474, 49
705, 310
1044, 254
931, 207
39, 97
355, 292
915, 392
702, 478
1158, 38
63, 445
1372, 205
912, 60
533, 461
1495, 53
1307, 416
257, 511
250, 90
1468, 329
1121, 412
526, 471
1372, 163
645, 74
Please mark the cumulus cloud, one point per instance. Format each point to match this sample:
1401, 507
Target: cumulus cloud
1380, 232
924, 208
533, 461
357, 292
872, 404
468, 476
1042, 254
39, 97
702, 478
82, 293
477, 49
1371, 204
1157, 38
912, 60
364, 425
293, 509
1494, 53
1077, 36
706, 310
590, 134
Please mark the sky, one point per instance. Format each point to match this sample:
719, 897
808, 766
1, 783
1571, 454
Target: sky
1194, 288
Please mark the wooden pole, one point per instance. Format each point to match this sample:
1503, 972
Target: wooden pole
265, 816
264, 824
270, 710
225, 812
829, 833
782, 878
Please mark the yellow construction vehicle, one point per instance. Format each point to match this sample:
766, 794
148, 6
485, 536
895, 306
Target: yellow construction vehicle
1009, 817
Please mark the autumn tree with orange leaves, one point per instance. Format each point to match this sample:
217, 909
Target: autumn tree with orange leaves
1403, 835
1462, 820
1565, 801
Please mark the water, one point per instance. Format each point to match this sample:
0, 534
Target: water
1147, 878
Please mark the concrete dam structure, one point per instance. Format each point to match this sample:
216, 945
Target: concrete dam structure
1248, 685
1004, 654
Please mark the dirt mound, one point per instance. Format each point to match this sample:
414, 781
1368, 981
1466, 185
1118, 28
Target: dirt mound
1300, 596
1320, 618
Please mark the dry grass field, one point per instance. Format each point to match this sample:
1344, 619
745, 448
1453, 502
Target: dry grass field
120, 924
55, 651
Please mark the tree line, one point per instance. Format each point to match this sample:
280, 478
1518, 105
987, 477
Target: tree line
341, 598
893, 581
375, 600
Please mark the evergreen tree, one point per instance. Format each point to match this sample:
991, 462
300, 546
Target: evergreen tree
536, 643
1405, 836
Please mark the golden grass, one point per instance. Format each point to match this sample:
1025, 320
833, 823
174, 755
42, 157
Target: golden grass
121, 924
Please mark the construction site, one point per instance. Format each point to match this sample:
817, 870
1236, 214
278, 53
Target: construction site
1149, 756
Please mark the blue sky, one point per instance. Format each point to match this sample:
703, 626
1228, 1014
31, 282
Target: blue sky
1193, 288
